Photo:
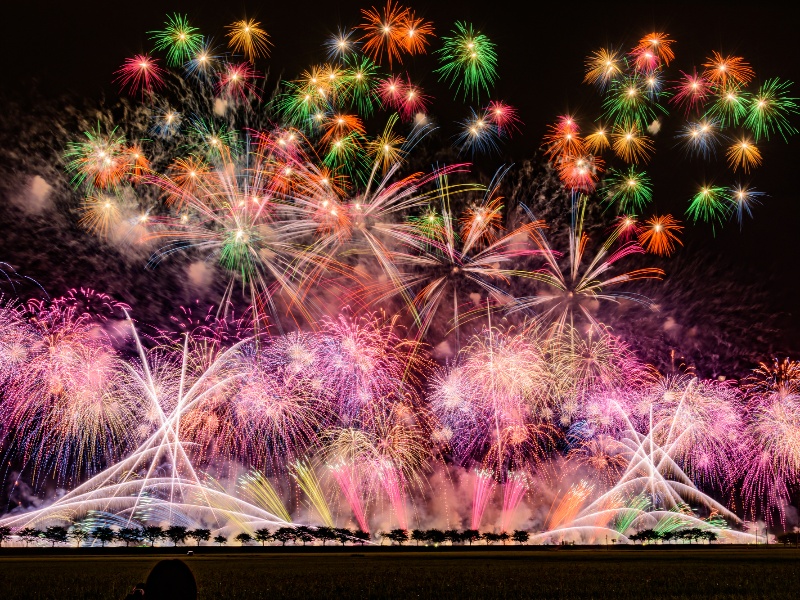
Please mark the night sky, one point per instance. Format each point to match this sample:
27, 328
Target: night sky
73, 48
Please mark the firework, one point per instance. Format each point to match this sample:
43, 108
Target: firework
563, 139
661, 235
659, 44
711, 204
629, 143
140, 73
729, 107
303, 473
745, 155
701, 138
469, 61
178, 38
769, 110
256, 486
484, 488
725, 71
347, 263
602, 67
572, 290
631, 190
385, 32
247, 36
597, 141
691, 92
629, 100
514, 488
744, 199
479, 134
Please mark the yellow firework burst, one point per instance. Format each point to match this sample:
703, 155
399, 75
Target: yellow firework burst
247, 36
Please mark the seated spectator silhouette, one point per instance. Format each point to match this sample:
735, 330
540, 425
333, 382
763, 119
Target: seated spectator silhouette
169, 580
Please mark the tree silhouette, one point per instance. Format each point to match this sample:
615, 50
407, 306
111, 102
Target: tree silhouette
78, 532
361, 536
435, 536
199, 535
504, 536
418, 536
28, 534
56, 535
220, 539
471, 535
130, 535
491, 537
304, 534
244, 538
325, 534
284, 534
103, 534
176, 534
344, 535
5, 533
398, 535
152, 533
452, 536
263, 535
520, 536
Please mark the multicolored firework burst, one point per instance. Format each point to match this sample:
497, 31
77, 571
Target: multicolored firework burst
398, 328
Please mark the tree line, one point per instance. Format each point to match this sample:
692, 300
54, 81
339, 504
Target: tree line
690, 535
177, 535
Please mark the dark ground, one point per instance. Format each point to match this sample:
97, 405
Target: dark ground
707, 573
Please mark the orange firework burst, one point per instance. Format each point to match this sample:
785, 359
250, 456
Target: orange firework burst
563, 139
385, 32
602, 67
187, 173
722, 70
247, 37
340, 126
580, 172
630, 144
414, 32
139, 164
657, 43
660, 235
597, 141
744, 154
483, 222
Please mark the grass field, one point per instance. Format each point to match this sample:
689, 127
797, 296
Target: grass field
557, 574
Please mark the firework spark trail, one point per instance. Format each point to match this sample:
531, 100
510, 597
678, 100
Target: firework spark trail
392, 482
514, 488
303, 473
482, 492
347, 478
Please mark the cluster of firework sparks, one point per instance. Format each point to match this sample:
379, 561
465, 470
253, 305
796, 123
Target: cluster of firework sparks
346, 418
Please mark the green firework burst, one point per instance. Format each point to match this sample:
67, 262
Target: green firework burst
469, 61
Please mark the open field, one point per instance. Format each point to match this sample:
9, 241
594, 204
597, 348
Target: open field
708, 573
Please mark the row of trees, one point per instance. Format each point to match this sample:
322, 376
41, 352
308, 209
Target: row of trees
690, 534
177, 535
103, 535
437, 536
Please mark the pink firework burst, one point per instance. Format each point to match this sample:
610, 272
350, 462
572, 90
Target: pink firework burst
140, 74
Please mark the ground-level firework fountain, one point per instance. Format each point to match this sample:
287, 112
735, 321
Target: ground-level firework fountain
634, 445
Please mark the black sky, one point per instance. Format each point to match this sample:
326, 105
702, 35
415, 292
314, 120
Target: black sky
58, 47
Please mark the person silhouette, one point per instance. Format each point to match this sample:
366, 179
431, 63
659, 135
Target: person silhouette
169, 580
